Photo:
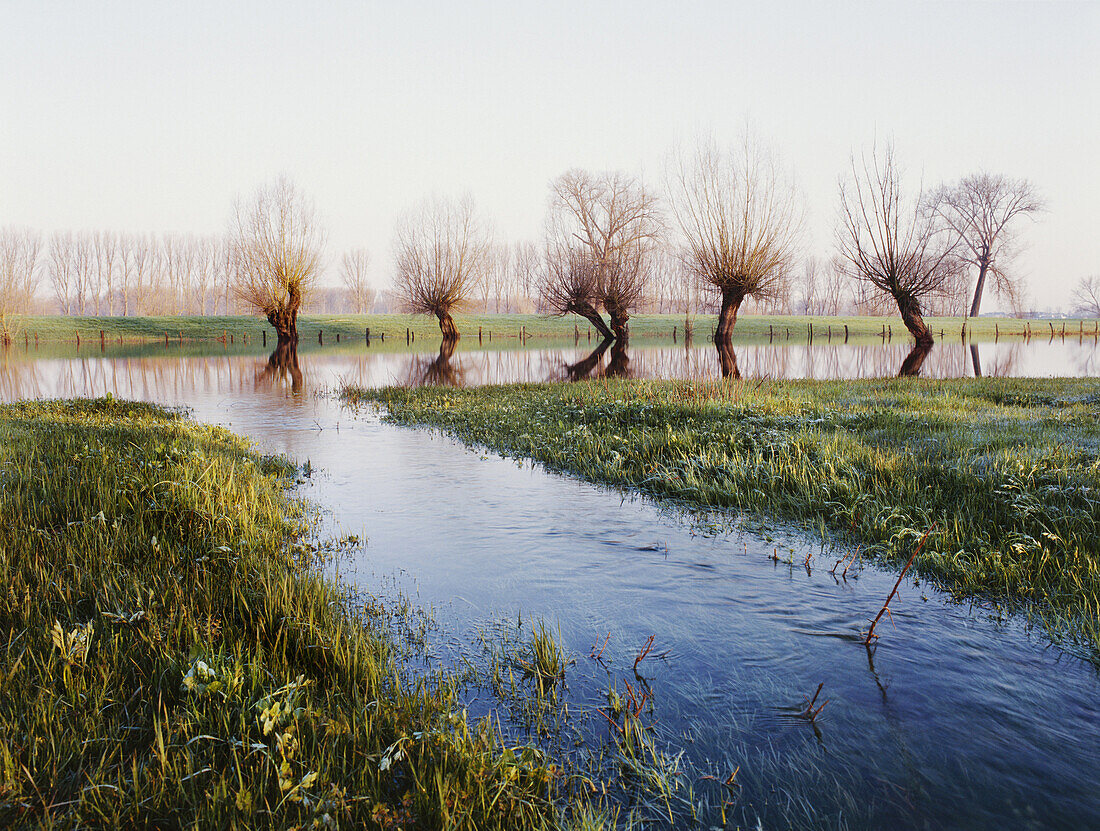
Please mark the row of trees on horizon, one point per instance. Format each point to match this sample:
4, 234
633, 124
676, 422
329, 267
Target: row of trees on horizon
724, 234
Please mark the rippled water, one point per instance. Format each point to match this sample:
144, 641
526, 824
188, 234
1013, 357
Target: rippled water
957, 719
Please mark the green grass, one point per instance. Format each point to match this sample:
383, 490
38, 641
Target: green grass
171, 657
1008, 471
506, 327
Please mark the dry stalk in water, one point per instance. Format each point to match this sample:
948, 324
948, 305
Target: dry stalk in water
886, 606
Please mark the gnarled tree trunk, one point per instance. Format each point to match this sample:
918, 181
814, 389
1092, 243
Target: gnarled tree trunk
447, 326
589, 313
620, 320
727, 316
285, 318
909, 307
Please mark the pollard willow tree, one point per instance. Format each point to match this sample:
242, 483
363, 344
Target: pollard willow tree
278, 246
741, 224
983, 211
891, 242
568, 283
614, 222
441, 251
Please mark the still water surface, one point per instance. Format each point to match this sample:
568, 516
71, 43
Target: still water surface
957, 719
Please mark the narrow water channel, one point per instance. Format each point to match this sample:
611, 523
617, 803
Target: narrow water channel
957, 719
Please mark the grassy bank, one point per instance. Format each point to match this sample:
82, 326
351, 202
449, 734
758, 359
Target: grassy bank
171, 658
1007, 471
507, 327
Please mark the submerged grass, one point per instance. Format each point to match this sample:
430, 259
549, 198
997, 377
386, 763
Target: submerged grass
170, 656
1008, 470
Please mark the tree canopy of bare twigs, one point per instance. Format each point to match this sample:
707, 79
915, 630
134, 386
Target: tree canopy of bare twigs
890, 241
982, 210
19, 252
278, 245
440, 254
353, 274
741, 223
1086, 296
614, 221
568, 284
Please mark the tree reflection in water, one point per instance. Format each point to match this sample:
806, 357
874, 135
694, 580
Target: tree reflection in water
727, 359
282, 364
620, 361
438, 372
910, 367
583, 368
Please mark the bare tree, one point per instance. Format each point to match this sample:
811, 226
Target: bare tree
1086, 296
278, 244
525, 275
440, 254
19, 251
59, 266
980, 209
889, 241
615, 221
353, 274
19, 273
105, 247
742, 224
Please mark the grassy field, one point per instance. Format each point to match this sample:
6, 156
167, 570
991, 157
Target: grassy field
171, 657
508, 327
1005, 473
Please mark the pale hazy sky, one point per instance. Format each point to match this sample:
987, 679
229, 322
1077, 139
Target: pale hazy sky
149, 116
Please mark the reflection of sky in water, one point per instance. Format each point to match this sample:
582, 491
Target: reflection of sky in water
157, 372
959, 721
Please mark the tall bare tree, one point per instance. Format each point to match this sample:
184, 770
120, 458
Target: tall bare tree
741, 222
890, 241
105, 248
20, 251
278, 244
1086, 296
353, 274
983, 211
615, 221
440, 253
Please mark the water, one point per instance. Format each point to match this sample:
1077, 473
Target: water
957, 719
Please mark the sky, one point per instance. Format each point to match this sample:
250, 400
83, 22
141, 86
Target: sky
149, 116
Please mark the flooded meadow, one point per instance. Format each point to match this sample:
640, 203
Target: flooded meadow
960, 716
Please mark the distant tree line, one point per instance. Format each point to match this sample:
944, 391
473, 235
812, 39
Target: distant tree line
723, 235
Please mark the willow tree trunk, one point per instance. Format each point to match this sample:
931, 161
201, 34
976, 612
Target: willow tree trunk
589, 313
285, 318
909, 307
447, 326
620, 321
727, 316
